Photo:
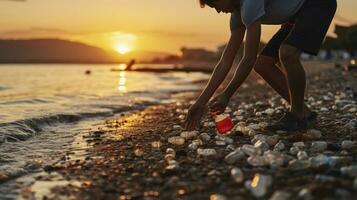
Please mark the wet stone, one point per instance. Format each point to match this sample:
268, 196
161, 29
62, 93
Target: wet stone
206, 152
299, 164
220, 143
349, 170
321, 161
205, 137
257, 161
302, 155
299, 145
217, 197
280, 195
324, 178
156, 144
176, 140
294, 150
347, 144
170, 151
192, 146
197, 142
250, 150
313, 134
259, 185
138, 152
318, 146
237, 175
234, 156
261, 145
280, 146
230, 148
305, 193
189, 134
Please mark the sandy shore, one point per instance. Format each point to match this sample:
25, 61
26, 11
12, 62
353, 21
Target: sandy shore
127, 160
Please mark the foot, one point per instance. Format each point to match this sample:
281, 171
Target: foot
311, 119
290, 122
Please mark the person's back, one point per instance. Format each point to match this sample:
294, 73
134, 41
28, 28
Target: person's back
268, 11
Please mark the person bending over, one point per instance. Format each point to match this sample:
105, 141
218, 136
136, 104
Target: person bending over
304, 24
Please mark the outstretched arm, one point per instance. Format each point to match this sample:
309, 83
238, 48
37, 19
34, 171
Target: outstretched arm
247, 63
224, 65
220, 71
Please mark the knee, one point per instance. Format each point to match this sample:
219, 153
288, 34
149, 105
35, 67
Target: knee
263, 64
289, 55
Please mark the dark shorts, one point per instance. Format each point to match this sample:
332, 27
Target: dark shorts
306, 30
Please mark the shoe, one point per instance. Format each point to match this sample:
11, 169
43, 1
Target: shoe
290, 122
312, 119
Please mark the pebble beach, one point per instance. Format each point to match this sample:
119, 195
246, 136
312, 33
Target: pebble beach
148, 155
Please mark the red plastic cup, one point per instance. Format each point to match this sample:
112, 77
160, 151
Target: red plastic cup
224, 123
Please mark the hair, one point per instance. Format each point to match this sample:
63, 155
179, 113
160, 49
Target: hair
203, 3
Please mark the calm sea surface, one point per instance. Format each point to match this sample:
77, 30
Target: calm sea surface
42, 107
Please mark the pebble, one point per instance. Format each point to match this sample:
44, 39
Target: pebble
237, 175
313, 134
230, 148
320, 161
349, 170
294, 150
280, 146
324, 178
257, 161
189, 134
206, 152
192, 146
220, 143
261, 145
169, 157
138, 152
250, 150
302, 155
280, 195
347, 144
177, 127
318, 146
259, 185
176, 140
234, 156
299, 164
305, 193
197, 142
205, 137
299, 145
156, 144
217, 197
170, 151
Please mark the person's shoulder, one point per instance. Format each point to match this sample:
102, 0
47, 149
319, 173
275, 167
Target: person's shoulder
251, 10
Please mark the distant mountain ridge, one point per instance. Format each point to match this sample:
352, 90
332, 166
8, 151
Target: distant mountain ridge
52, 51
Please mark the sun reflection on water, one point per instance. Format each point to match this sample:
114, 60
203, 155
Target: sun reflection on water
122, 82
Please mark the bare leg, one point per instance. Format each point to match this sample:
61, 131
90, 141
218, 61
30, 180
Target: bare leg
290, 58
266, 68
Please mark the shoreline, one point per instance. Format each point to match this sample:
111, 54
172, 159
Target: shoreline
124, 164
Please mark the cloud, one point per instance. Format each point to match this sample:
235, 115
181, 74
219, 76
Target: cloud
35, 32
169, 33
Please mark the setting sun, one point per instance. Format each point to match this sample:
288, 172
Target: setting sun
123, 42
123, 48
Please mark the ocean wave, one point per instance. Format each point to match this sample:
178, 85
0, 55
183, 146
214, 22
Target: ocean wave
28, 101
24, 129
4, 87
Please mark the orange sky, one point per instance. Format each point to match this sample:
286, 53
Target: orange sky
160, 25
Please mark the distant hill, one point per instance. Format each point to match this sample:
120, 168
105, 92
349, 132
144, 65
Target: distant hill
53, 51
